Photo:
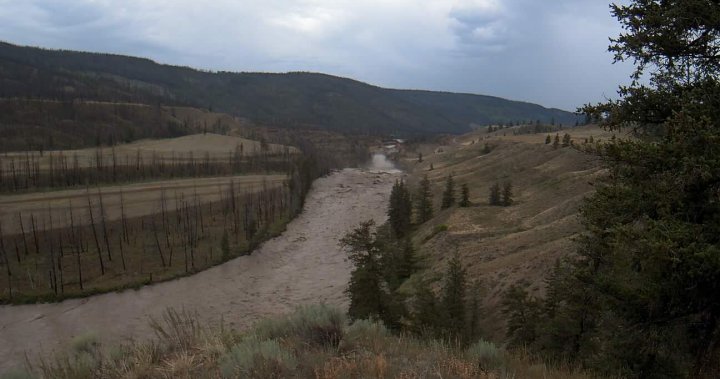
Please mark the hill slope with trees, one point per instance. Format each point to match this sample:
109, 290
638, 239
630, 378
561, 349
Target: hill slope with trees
295, 99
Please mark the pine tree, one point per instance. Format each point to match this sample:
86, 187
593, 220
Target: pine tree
507, 194
486, 149
427, 315
453, 297
464, 196
400, 209
448, 197
408, 261
420, 158
366, 290
648, 262
566, 140
522, 313
423, 205
495, 194
548, 139
556, 141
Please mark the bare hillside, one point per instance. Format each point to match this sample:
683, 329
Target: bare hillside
504, 245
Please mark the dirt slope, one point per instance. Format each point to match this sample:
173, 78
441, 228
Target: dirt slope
504, 245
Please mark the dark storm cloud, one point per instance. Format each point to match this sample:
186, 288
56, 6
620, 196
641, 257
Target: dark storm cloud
552, 53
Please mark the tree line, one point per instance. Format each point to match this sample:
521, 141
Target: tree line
639, 297
31, 171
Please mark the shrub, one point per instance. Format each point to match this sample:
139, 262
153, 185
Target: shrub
256, 358
437, 230
85, 343
179, 330
365, 333
485, 354
17, 374
315, 324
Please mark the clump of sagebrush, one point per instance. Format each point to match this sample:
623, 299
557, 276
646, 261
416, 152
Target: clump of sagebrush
314, 324
288, 347
257, 358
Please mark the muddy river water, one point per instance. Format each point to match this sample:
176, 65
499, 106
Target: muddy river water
303, 265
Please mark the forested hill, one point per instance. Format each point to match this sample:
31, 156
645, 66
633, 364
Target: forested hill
292, 99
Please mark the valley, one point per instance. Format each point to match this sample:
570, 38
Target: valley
303, 264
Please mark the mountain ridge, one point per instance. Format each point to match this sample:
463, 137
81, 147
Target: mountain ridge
292, 99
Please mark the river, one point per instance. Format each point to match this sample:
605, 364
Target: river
303, 265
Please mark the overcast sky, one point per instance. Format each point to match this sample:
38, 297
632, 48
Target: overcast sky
549, 52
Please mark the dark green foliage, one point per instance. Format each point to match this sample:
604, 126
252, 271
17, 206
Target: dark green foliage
556, 141
522, 313
225, 246
31, 72
454, 296
427, 315
369, 296
408, 261
448, 196
486, 149
453, 315
464, 196
400, 209
507, 194
495, 198
548, 139
381, 263
640, 297
423, 201
566, 140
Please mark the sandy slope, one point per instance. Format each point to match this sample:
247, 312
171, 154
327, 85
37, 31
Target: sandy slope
304, 265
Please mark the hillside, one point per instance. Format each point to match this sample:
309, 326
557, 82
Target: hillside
287, 100
501, 246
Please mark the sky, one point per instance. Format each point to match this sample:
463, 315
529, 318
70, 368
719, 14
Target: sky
553, 53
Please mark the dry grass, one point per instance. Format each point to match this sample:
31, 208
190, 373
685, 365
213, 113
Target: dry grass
503, 245
142, 199
216, 147
187, 350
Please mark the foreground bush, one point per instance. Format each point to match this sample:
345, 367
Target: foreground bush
313, 342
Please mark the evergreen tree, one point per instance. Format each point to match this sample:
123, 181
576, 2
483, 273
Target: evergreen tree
427, 315
522, 313
420, 158
400, 209
495, 195
556, 141
507, 194
486, 149
448, 197
423, 201
646, 273
408, 261
453, 297
367, 291
464, 196
566, 140
548, 139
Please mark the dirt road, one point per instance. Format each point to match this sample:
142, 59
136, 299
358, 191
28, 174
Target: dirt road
303, 265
